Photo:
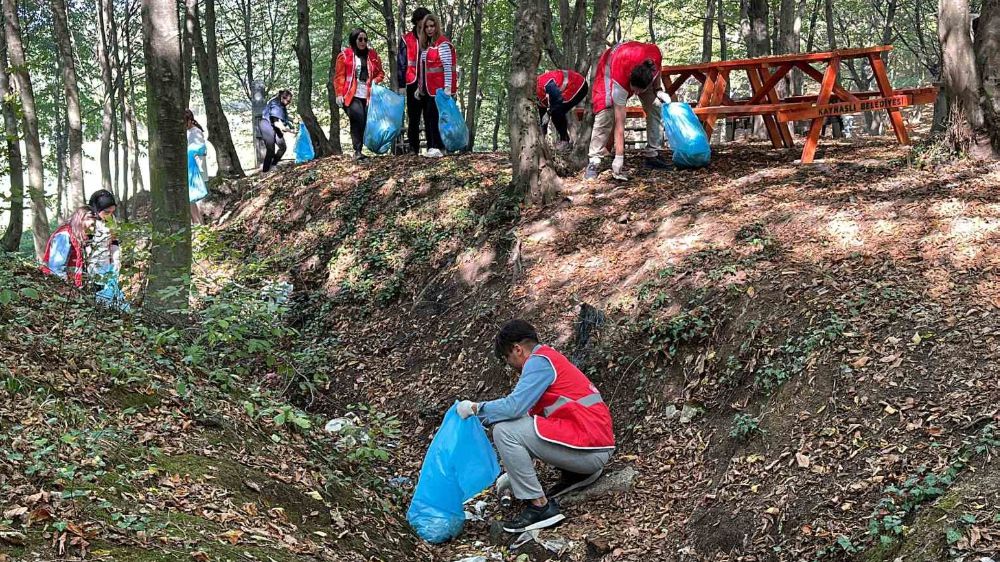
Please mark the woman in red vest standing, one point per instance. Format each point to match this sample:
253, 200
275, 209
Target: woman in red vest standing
554, 414
559, 91
358, 68
436, 71
64, 252
406, 72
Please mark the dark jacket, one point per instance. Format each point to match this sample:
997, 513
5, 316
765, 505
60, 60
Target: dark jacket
275, 111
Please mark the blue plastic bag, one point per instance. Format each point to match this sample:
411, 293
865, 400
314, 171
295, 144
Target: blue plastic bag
303, 146
686, 136
197, 190
454, 132
111, 294
385, 119
459, 464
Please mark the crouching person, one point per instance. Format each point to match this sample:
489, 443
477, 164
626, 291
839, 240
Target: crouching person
554, 414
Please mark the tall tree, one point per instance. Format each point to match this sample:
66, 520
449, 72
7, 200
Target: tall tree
959, 75
386, 8
987, 47
304, 51
170, 254
67, 63
471, 108
104, 60
187, 46
723, 40
707, 31
207, 58
32, 141
11, 239
331, 94
133, 132
533, 178
754, 27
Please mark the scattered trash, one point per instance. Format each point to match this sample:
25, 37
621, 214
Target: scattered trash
689, 413
671, 412
503, 491
277, 292
400, 482
337, 425
556, 546
473, 559
478, 512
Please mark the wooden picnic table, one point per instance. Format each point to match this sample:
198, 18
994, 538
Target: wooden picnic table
766, 73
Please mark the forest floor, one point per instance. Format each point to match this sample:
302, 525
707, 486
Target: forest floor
798, 359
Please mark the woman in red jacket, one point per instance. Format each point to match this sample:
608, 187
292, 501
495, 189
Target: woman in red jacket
65, 253
437, 71
358, 67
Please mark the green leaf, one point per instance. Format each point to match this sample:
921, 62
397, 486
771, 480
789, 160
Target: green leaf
304, 423
249, 407
276, 438
280, 419
953, 535
6, 296
30, 293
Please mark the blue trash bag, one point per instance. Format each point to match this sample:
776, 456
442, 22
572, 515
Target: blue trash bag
197, 190
385, 119
459, 464
111, 294
686, 136
303, 146
454, 132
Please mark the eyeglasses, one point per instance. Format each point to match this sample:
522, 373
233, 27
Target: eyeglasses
360, 39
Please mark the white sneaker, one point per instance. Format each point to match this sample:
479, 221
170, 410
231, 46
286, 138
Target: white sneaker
433, 153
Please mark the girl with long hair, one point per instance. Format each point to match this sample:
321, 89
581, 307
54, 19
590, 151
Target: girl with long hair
437, 72
65, 251
197, 170
358, 68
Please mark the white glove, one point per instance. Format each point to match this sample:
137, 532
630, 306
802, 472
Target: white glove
616, 166
467, 408
340, 101
662, 97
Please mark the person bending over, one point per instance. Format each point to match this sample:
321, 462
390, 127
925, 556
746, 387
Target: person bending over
274, 123
559, 91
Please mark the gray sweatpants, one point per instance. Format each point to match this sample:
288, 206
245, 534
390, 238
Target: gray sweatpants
604, 128
519, 445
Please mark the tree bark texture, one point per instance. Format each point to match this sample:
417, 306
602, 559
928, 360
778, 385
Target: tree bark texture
11, 239
755, 31
959, 76
219, 134
707, 31
187, 41
331, 94
104, 60
987, 47
533, 179
304, 51
501, 103
390, 39
723, 41
67, 63
170, 254
472, 107
133, 132
32, 141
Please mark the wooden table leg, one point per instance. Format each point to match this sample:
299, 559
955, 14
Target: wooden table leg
769, 122
829, 80
707, 89
878, 69
772, 97
717, 95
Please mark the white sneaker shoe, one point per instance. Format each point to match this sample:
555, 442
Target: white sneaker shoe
433, 153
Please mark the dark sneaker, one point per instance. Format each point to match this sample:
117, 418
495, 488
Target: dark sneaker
535, 518
657, 163
572, 481
591, 173
358, 155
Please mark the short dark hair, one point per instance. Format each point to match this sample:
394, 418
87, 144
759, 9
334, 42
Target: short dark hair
102, 199
514, 331
283, 93
643, 75
418, 15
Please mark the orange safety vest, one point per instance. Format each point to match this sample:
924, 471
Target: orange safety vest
344, 81
615, 66
74, 261
570, 82
571, 411
412, 54
434, 68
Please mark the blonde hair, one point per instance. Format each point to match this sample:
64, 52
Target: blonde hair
77, 230
426, 41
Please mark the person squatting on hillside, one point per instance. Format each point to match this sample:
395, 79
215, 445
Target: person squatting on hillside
554, 414
627, 69
274, 123
358, 67
104, 258
197, 170
559, 91
67, 247
406, 73
436, 70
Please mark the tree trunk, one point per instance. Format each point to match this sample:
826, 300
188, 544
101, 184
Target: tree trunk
651, 17
60, 167
477, 47
723, 40
831, 32
67, 63
133, 131
32, 141
706, 32
501, 102
959, 76
755, 34
11, 239
170, 254
390, 39
226, 157
304, 52
533, 179
104, 60
331, 94
187, 41
987, 48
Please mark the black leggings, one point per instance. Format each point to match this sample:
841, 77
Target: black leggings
274, 144
559, 112
431, 123
357, 114
414, 110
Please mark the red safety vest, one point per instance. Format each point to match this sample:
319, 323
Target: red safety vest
74, 261
412, 54
570, 82
571, 411
345, 83
434, 68
615, 66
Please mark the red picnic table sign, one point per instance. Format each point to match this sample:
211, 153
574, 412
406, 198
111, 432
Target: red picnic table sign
766, 72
